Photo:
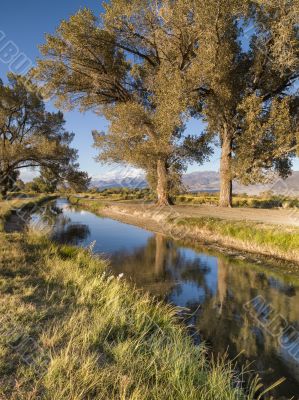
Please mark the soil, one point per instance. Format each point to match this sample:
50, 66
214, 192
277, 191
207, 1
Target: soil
285, 217
153, 218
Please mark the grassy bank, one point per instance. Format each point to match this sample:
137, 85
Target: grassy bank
281, 242
266, 200
253, 237
17, 203
93, 205
71, 331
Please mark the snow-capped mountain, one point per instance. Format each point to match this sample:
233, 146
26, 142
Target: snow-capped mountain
121, 177
199, 181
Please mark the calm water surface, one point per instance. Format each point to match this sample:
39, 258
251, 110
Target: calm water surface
233, 305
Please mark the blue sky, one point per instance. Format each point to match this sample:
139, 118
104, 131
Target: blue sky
23, 24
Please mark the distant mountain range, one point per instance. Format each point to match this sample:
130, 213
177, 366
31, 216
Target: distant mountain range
210, 181
121, 177
207, 181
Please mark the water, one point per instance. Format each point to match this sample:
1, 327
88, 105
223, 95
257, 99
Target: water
236, 307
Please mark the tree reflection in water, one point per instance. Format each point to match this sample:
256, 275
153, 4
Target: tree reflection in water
43, 216
215, 289
71, 234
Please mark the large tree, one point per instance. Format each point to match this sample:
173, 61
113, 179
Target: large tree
29, 135
159, 36
243, 94
173, 56
244, 83
132, 59
133, 137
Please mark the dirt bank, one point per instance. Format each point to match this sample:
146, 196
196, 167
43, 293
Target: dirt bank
256, 241
285, 217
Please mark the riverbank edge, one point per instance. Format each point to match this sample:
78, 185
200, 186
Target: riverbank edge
24, 204
139, 342
203, 233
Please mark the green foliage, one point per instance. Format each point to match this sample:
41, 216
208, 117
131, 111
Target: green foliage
264, 200
271, 128
88, 63
119, 194
246, 96
248, 232
147, 67
81, 58
30, 136
50, 182
77, 181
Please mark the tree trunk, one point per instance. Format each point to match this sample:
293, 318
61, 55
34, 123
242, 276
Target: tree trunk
162, 184
160, 254
226, 184
222, 283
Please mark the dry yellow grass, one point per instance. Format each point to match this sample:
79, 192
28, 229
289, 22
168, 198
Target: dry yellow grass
70, 331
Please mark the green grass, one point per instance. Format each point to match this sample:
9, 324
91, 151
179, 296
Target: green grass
280, 240
262, 201
121, 194
92, 205
265, 200
91, 336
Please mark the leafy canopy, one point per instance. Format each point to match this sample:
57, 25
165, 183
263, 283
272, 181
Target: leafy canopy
29, 135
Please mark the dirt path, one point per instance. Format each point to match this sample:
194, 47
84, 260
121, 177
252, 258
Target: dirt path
286, 217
